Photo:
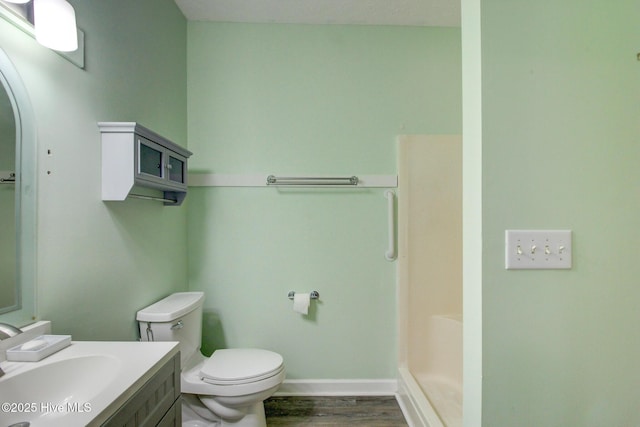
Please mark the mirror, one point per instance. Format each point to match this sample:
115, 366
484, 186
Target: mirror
9, 291
17, 198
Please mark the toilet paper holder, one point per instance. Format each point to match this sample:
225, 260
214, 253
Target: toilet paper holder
312, 295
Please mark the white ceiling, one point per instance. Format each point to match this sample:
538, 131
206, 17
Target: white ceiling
361, 12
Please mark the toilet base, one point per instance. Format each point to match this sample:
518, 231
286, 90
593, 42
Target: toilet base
195, 414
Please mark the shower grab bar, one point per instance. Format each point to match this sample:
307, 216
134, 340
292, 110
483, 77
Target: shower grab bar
295, 180
312, 295
157, 199
390, 254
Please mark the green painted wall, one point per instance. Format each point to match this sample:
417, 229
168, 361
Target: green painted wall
98, 263
560, 148
262, 99
296, 99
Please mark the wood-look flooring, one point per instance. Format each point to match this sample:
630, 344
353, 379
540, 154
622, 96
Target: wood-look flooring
372, 411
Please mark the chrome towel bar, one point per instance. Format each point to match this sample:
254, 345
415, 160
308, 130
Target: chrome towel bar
7, 177
298, 180
313, 295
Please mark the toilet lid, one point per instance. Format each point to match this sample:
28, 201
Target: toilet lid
240, 365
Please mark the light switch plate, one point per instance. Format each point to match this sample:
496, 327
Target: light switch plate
538, 249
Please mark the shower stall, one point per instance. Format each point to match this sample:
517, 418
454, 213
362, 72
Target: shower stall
430, 278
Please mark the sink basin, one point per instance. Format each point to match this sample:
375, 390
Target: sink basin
81, 385
56, 388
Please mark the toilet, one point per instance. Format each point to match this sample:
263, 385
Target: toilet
226, 389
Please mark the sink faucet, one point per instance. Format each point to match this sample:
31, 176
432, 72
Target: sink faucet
8, 331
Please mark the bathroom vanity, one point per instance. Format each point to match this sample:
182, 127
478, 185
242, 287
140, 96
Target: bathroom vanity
156, 403
111, 384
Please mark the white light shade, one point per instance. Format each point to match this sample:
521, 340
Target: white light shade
55, 24
18, 1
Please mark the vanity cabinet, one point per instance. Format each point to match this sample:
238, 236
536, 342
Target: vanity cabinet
156, 403
134, 156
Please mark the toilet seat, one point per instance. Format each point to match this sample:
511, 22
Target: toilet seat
240, 366
192, 382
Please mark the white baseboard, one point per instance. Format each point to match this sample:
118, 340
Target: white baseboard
381, 387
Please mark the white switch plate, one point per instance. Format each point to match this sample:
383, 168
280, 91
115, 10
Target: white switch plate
537, 249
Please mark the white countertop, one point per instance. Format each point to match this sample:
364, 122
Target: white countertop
121, 368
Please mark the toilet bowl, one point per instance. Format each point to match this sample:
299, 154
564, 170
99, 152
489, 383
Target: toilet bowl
231, 382
226, 389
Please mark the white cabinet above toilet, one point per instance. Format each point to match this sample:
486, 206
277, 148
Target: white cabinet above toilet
133, 155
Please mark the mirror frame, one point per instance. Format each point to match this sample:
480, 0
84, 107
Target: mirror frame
26, 194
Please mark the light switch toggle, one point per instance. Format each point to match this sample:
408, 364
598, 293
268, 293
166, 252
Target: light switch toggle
547, 249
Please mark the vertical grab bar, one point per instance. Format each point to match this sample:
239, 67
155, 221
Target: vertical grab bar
390, 254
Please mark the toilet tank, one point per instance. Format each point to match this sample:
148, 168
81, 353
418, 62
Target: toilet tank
177, 317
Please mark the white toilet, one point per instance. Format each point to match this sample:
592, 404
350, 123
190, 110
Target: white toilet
226, 389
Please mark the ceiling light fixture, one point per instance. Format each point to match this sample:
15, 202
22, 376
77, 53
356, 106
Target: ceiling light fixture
55, 24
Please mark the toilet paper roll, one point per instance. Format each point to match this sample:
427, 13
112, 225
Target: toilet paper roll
301, 303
